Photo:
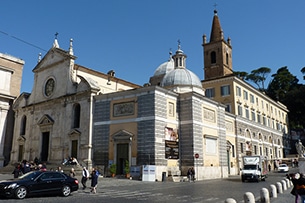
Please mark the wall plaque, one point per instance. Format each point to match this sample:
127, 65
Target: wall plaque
123, 109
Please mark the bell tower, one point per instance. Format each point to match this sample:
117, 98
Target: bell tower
217, 53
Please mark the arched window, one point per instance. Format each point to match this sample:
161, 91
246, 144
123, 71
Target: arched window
213, 57
76, 116
23, 125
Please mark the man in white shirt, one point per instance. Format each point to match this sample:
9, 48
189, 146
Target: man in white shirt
85, 176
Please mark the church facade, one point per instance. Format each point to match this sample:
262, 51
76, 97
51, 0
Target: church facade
174, 122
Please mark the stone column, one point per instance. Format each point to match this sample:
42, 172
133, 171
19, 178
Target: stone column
3, 118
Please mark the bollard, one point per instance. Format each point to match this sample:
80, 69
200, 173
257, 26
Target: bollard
284, 185
265, 195
279, 187
273, 193
288, 183
230, 200
249, 197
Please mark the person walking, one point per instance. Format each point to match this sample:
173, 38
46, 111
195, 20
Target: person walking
189, 174
193, 173
85, 176
72, 173
94, 181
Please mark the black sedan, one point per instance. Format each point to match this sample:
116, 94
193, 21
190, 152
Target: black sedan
39, 183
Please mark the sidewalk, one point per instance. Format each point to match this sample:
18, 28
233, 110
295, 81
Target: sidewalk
285, 197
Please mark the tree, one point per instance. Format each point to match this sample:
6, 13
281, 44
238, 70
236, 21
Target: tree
240, 74
303, 71
283, 82
296, 105
259, 77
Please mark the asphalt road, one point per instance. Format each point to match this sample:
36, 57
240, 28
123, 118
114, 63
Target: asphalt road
207, 191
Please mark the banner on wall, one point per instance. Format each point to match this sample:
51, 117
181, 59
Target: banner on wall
171, 143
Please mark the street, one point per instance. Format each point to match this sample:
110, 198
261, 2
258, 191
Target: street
124, 190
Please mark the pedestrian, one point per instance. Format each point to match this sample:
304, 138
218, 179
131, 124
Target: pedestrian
72, 173
85, 176
59, 169
94, 181
16, 171
189, 174
193, 173
269, 167
298, 189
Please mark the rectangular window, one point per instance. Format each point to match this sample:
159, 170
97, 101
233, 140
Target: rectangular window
278, 126
233, 151
228, 108
171, 109
225, 90
245, 95
247, 113
238, 91
252, 98
258, 118
260, 151
240, 110
266, 151
210, 92
242, 147
253, 115
264, 120
255, 149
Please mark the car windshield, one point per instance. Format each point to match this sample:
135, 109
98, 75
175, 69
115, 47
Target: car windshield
283, 165
30, 175
251, 167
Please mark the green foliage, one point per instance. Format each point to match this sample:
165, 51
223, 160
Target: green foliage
283, 82
127, 169
112, 168
294, 100
259, 76
284, 88
240, 74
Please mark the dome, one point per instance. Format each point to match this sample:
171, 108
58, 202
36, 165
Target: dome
165, 67
181, 77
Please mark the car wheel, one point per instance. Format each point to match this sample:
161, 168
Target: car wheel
66, 191
21, 192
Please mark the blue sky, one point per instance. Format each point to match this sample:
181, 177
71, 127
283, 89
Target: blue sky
134, 37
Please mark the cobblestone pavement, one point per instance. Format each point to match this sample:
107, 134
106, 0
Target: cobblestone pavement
123, 190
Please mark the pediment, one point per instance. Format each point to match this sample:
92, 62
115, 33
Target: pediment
53, 57
122, 135
88, 83
21, 100
74, 132
21, 139
45, 120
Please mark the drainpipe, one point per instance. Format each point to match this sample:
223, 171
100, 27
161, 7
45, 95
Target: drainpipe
90, 134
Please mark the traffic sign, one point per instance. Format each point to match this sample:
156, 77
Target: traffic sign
196, 155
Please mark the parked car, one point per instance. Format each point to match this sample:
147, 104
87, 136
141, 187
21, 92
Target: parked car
283, 168
39, 183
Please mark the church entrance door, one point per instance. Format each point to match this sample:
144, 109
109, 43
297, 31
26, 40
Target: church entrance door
45, 146
122, 156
